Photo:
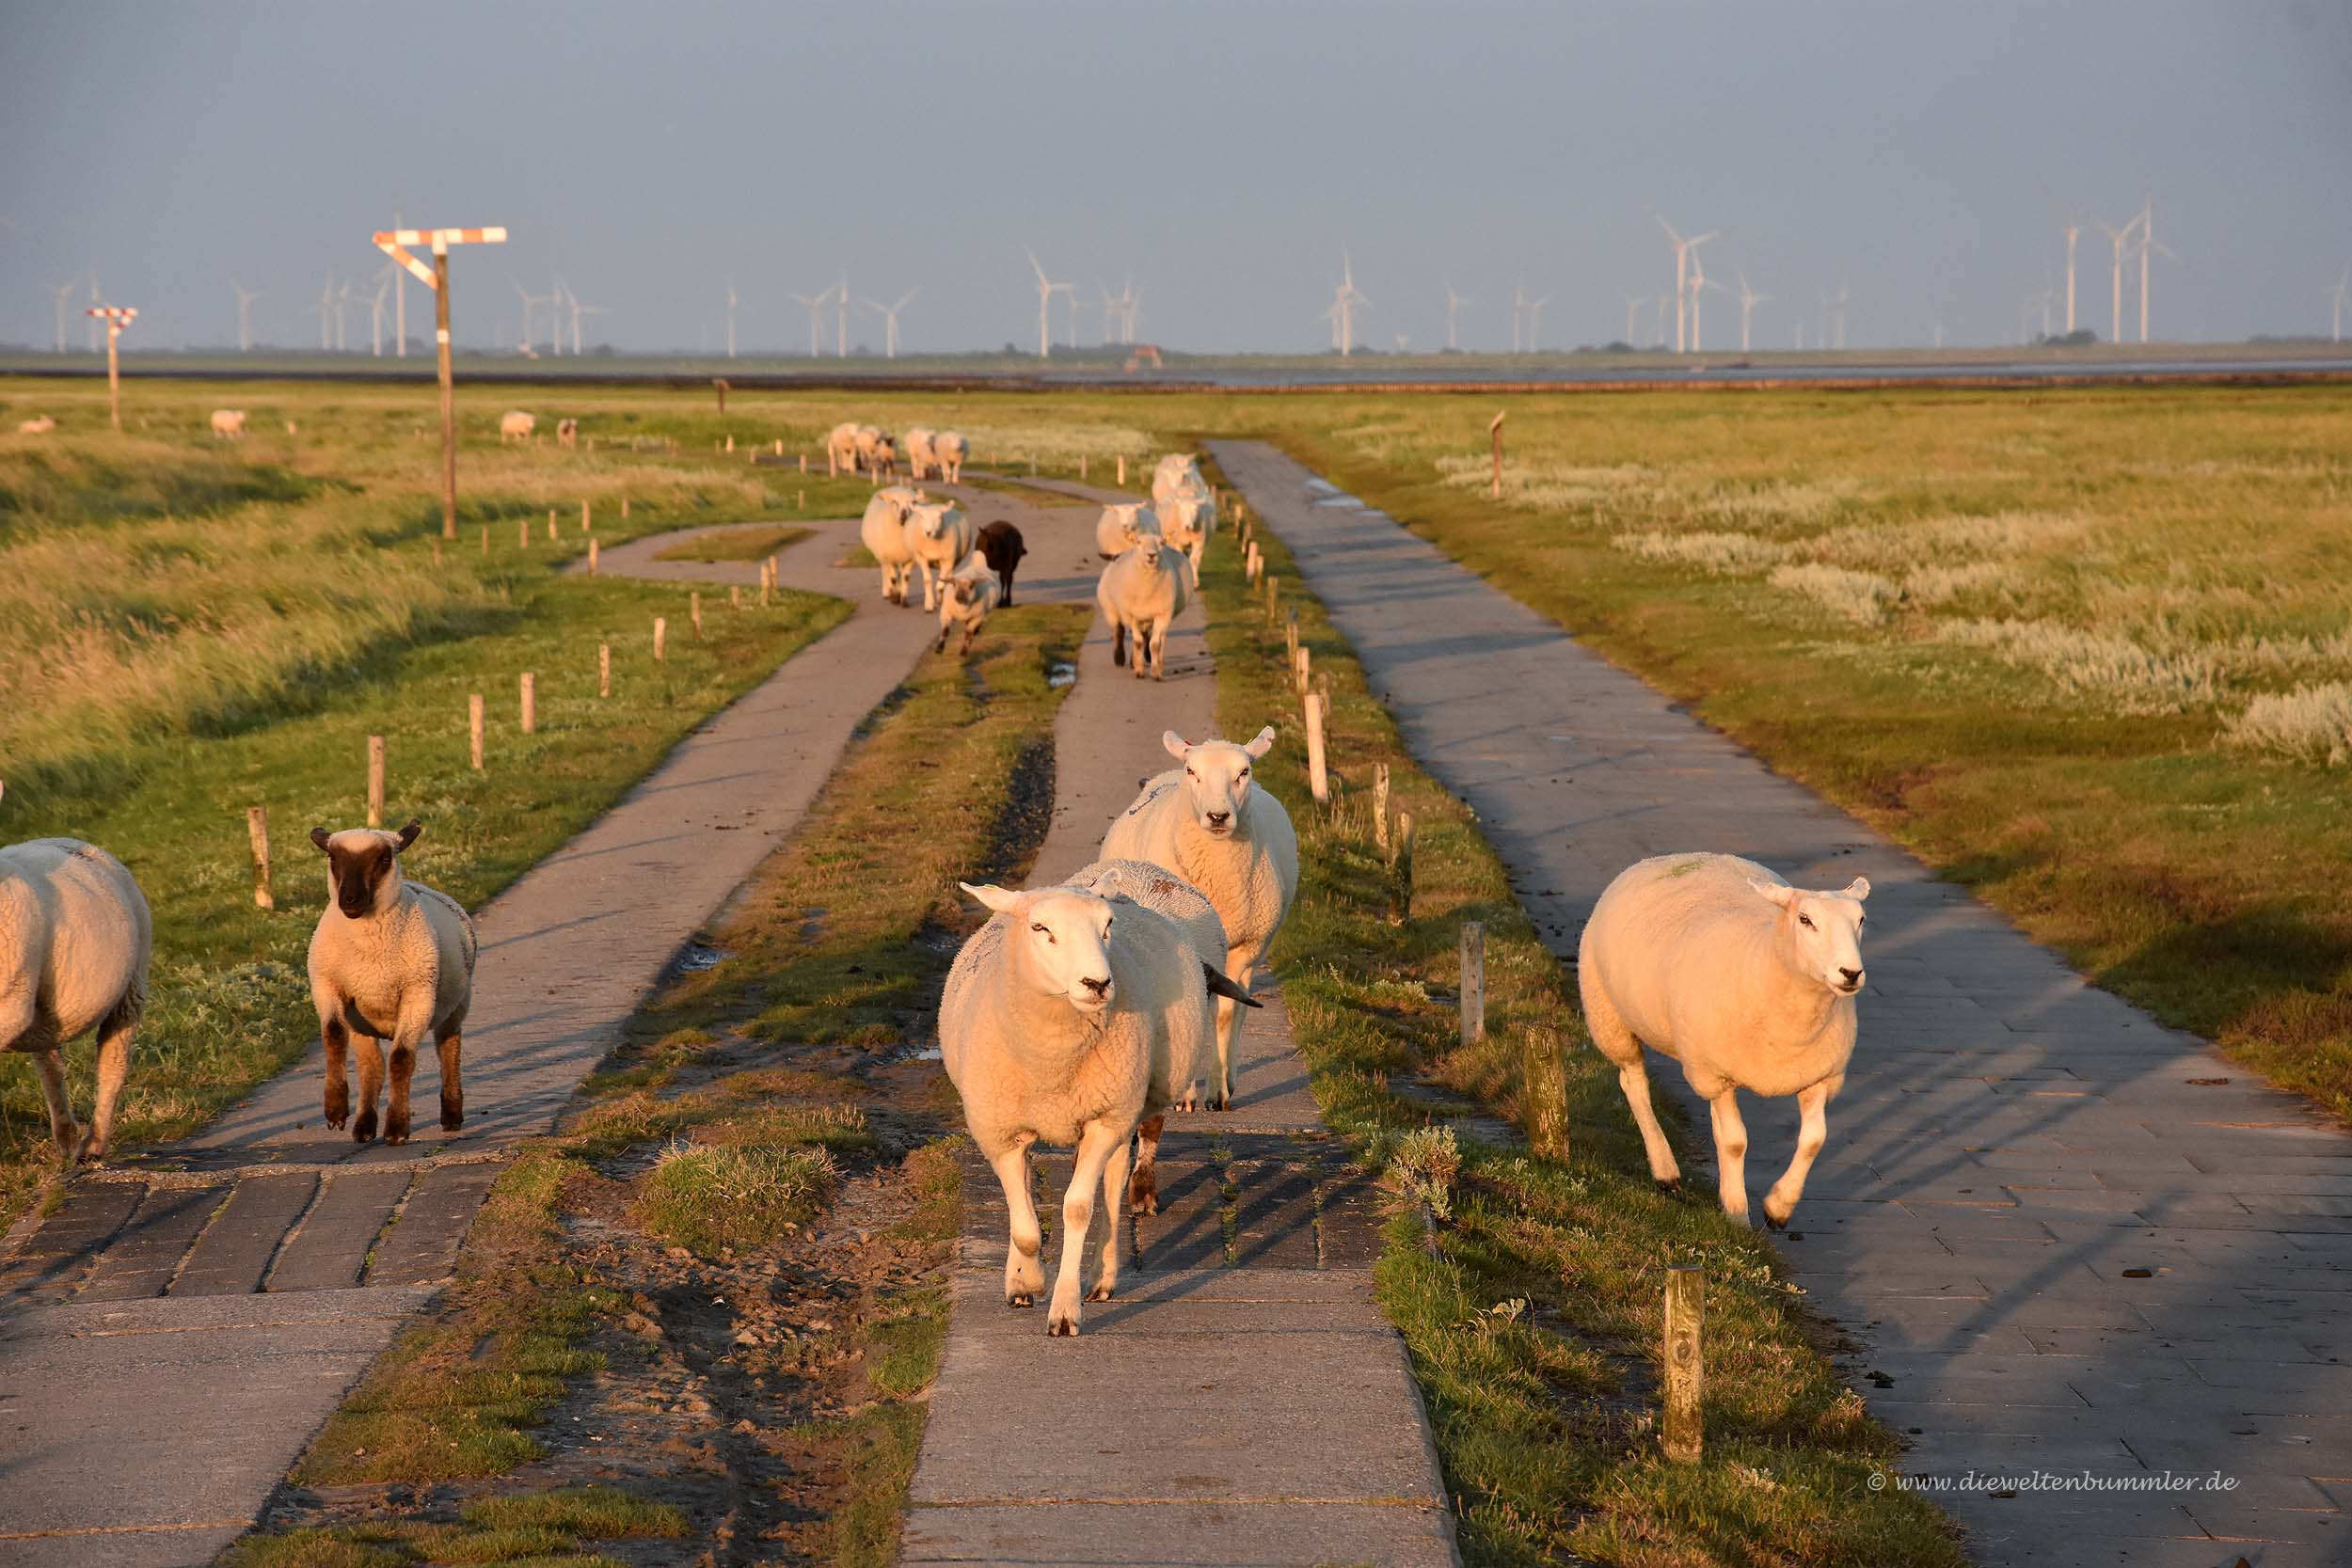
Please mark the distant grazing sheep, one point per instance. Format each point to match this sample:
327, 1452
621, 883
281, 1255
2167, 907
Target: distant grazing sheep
228, 423
1123, 526
1747, 982
920, 459
391, 960
964, 600
882, 460
939, 536
516, 425
1139, 594
841, 450
566, 433
1000, 545
1209, 823
948, 451
883, 531
869, 440
41, 424
75, 940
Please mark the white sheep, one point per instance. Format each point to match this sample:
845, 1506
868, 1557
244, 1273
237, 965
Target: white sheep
1054, 1017
1139, 594
1186, 522
1123, 526
516, 425
1176, 477
567, 432
228, 423
938, 536
948, 451
917, 442
75, 940
1747, 982
391, 960
883, 531
869, 441
964, 600
1207, 822
841, 449
882, 460
39, 425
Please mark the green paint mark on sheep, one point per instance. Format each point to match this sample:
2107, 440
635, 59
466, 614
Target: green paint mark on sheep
1680, 868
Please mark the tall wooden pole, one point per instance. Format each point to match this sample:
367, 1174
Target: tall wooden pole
449, 392
1495, 430
114, 372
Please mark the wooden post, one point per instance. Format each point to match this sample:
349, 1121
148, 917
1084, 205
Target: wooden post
522, 532
719, 385
694, 609
1544, 1092
1122, 470
1273, 588
1495, 430
449, 392
1290, 646
1473, 982
661, 638
550, 524
1380, 805
801, 502
114, 373
531, 703
591, 558
486, 539
585, 526
1318, 778
375, 781
803, 467
473, 730
766, 580
735, 596
730, 441
1401, 871
1305, 665
257, 834
779, 446
625, 509
1082, 468
1686, 1315
604, 669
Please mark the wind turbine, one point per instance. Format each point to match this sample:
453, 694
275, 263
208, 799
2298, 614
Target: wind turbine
96, 299
2148, 242
245, 316
578, 310
375, 309
1699, 285
1519, 315
890, 320
1110, 308
1453, 304
841, 317
816, 304
325, 310
1632, 309
1130, 306
1344, 302
1046, 289
1683, 249
1749, 300
2118, 238
732, 302
1535, 319
1069, 317
2340, 293
65, 304
2071, 231
531, 303
1837, 314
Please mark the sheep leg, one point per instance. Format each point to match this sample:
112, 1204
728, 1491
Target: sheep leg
1159, 650
450, 1044
1241, 967
1024, 1276
1119, 644
114, 1064
1731, 1153
1095, 1144
1114, 1225
370, 1054
49, 1064
1143, 1192
1612, 1039
336, 1039
930, 600
1633, 1079
1812, 1133
403, 1070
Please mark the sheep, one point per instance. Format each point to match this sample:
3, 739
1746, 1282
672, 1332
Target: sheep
938, 536
1053, 1029
1208, 824
1139, 594
41, 424
1187, 521
1176, 477
391, 960
869, 441
1747, 982
75, 940
841, 449
917, 442
516, 425
964, 599
228, 423
1123, 526
883, 530
1000, 544
567, 432
883, 460
948, 451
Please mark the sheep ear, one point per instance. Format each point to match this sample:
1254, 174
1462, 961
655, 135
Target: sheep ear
319, 836
1175, 744
1858, 889
997, 898
1778, 893
409, 834
1263, 744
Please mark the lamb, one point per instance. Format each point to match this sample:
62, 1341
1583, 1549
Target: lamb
228, 423
41, 424
841, 449
1051, 1028
1139, 594
516, 425
75, 938
965, 600
884, 459
1000, 545
391, 960
1747, 982
1187, 522
917, 442
948, 451
1122, 527
1208, 824
883, 530
1176, 477
567, 432
938, 536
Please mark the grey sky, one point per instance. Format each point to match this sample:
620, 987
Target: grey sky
1219, 154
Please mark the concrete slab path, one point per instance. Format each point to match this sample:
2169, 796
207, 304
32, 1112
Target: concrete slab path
2070, 1239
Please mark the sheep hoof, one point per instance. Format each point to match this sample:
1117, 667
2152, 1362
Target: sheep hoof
1774, 1224
1063, 1327
452, 1117
364, 1129
337, 1109
1100, 1292
1018, 1299
1669, 1184
396, 1132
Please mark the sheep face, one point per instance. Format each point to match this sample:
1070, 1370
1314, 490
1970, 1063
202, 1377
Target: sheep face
362, 866
1218, 778
1059, 943
1822, 931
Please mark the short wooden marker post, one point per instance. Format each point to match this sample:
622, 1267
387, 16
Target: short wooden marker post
1686, 1315
551, 525
522, 532
1318, 777
604, 669
661, 638
1082, 468
474, 730
531, 703
1122, 470
694, 609
1495, 430
804, 466
625, 509
1306, 667
1544, 1092
591, 558
585, 525
779, 446
1401, 871
1380, 805
375, 781
735, 596
730, 443
1473, 982
257, 835
486, 539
